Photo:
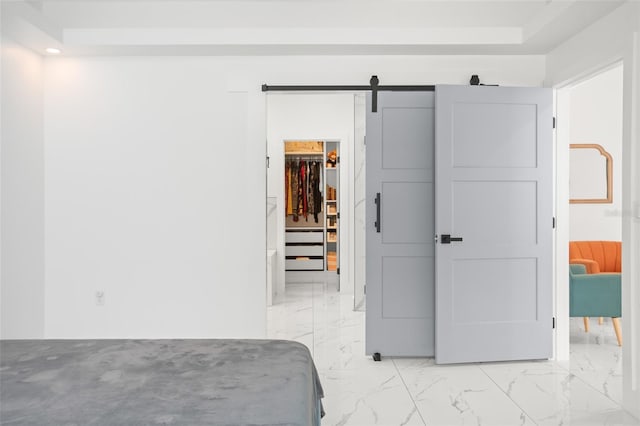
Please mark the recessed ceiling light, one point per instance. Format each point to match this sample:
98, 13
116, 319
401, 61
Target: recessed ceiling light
53, 50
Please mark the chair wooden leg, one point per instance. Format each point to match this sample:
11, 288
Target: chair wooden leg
616, 327
586, 324
600, 320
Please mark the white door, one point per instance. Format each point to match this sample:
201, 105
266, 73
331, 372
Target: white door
399, 205
494, 203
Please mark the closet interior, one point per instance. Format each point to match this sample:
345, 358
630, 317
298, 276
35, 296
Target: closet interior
311, 177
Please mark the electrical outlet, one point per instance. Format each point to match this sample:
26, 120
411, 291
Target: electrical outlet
100, 298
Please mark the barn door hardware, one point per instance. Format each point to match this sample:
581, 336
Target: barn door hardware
374, 92
475, 81
374, 86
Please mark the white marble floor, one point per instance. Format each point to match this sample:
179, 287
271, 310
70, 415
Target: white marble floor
413, 391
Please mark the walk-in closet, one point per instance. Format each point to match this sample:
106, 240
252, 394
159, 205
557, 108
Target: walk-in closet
312, 211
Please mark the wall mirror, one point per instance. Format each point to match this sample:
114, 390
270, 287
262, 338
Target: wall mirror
590, 174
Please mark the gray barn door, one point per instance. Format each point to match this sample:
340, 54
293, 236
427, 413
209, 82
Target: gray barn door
494, 192
400, 225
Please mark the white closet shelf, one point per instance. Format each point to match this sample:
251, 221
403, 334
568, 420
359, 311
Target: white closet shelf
315, 154
304, 228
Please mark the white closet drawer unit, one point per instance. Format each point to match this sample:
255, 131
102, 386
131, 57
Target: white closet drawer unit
304, 264
303, 237
316, 250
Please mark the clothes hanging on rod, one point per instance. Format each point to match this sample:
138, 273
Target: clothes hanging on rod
295, 173
289, 198
302, 193
287, 184
303, 196
316, 184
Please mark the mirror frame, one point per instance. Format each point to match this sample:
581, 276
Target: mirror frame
608, 177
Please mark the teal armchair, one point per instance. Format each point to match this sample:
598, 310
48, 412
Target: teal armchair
595, 295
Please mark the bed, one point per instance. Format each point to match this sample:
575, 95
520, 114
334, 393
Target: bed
142, 382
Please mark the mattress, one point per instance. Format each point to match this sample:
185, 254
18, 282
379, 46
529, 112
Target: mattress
142, 382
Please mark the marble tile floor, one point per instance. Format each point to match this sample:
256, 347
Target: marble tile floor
587, 390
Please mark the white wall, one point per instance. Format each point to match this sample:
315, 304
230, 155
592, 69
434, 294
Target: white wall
613, 38
156, 184
596, 117
22, 242
150, 198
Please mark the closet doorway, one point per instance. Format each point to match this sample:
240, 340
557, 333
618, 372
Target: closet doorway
316, 131
312, 210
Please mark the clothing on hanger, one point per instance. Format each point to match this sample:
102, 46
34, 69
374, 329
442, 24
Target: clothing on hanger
303, 189
294, 189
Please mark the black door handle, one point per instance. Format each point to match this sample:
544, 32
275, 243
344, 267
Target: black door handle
377, 201
446, 239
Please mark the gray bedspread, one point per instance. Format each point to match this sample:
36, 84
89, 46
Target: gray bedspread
146, 382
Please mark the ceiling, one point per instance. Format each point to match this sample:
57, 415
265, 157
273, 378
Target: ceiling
298, 27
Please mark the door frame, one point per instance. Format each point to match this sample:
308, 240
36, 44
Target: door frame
275, 137
631, 156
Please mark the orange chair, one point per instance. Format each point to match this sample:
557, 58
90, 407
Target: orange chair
597, 257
